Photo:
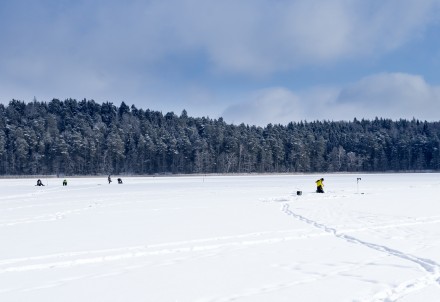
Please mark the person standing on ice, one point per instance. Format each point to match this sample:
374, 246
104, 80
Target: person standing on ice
320, 185
109, 179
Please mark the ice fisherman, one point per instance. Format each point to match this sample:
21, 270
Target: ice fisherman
65, 182
120, 181
39, 183
109, 179
320, 185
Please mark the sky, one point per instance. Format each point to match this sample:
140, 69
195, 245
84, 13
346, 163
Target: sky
247, 61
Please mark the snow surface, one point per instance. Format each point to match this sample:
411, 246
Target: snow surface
221, 238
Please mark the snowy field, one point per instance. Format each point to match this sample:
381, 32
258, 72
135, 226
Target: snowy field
221, 238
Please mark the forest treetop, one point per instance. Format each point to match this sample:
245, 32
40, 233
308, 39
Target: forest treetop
73, 137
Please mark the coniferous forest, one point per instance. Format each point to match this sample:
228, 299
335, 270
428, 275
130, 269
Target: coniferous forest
86, 138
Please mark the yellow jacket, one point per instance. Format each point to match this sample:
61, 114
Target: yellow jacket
319, 183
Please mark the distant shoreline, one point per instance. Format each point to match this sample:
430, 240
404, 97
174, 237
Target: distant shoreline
215, 174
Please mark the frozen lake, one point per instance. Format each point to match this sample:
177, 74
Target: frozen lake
221, 238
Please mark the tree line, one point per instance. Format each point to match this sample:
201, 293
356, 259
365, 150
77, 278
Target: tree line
73, 137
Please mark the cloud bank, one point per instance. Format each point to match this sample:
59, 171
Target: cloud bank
212, 57
386, 95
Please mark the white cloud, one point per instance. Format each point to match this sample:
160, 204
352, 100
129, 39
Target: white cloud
393, 95
262, 36
253, 37
274, 105
386, 95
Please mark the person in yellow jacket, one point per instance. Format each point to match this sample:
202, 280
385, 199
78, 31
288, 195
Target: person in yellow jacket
320, 185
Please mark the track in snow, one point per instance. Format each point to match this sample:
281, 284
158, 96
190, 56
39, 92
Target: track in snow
390, 294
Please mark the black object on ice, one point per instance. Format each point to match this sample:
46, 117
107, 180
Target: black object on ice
299, 193
39, 183
119, 181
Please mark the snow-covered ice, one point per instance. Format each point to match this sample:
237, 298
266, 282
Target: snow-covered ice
221, 238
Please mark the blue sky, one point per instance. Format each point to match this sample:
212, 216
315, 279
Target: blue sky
250, 61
